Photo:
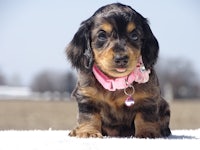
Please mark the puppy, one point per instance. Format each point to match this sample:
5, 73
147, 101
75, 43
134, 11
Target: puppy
117, 90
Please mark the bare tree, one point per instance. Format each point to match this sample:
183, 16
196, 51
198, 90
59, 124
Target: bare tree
53, 81
69, 81
2, 79
181, 75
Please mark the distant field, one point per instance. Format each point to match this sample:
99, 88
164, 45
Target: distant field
26, 115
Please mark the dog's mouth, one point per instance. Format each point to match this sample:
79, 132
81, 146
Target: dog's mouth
121, 70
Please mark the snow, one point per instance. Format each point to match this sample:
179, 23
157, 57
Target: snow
14, 91
59, 140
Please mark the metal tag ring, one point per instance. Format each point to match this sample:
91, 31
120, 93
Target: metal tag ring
132, 91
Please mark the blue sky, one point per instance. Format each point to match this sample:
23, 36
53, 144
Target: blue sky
34, 33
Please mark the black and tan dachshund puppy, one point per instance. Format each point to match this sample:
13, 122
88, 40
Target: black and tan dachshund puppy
118, 94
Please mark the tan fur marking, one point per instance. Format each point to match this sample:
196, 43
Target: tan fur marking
130, 27
99, 95
107, 27
136, 97
92, 93
141, 95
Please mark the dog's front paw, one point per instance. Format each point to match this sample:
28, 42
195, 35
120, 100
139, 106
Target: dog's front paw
147, 134
77, 132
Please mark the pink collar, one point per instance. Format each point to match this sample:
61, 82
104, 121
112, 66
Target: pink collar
140, 75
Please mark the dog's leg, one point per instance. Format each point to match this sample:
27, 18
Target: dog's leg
90, 127
89, 122
152, 121
146, 129
164, 115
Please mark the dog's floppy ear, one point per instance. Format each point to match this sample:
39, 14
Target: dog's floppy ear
150, 46
79, 50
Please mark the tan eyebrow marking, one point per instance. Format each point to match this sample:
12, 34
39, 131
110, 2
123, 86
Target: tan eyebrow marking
130, 27
107, 27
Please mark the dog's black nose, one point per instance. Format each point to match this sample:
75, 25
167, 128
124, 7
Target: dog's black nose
121, 60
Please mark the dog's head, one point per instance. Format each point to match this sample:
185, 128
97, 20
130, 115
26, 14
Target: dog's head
113, 38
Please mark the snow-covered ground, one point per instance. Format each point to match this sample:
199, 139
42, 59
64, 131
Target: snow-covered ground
59, 140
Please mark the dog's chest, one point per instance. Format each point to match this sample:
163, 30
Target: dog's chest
117, 115
114, 109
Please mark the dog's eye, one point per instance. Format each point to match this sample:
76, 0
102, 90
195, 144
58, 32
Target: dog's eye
102, 35
133, 36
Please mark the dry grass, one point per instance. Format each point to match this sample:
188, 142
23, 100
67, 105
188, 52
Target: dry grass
185, 114
37, 115
25, 115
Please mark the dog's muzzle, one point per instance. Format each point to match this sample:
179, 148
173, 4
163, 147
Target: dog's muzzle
121, 60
